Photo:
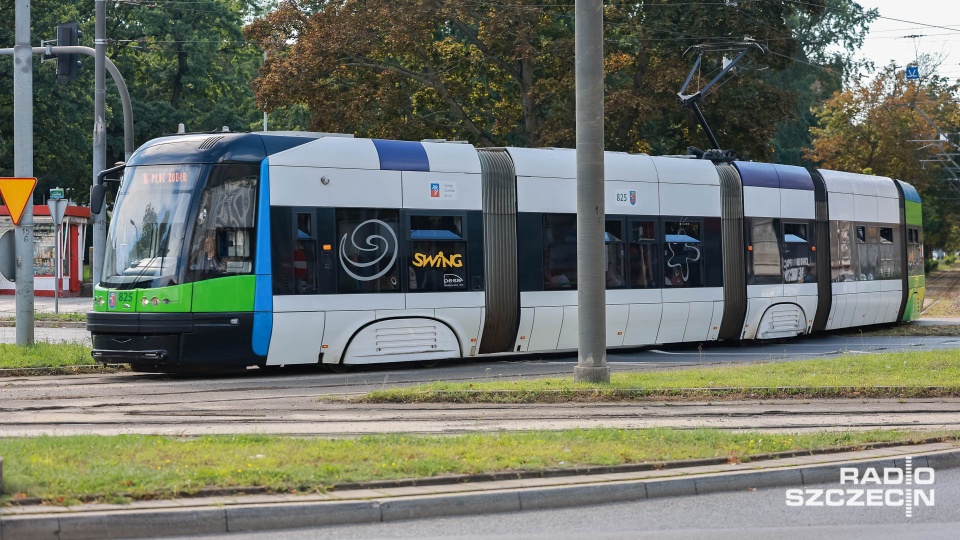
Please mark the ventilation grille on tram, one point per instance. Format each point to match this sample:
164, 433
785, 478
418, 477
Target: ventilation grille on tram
210, 141
421, 338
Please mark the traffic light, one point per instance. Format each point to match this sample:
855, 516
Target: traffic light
68, 35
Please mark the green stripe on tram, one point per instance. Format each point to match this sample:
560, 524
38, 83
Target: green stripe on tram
913, 214
173, 299
233, 293
218, 295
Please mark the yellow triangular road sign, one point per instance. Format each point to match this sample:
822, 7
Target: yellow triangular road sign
16, 193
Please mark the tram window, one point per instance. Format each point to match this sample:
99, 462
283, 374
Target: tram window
222, 240
799, 260
530, 251
868, 252
559, 251
915, 262
305, 256
889, 253
613, 239
841, 252
763, 252
281, 245
682, 254
438, 254
367, 249
918, 233
642, 250
886, 235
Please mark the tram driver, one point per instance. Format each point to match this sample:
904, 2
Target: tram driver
210, 263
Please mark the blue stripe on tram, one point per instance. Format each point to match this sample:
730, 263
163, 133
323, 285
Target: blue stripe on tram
263, 296
402, 155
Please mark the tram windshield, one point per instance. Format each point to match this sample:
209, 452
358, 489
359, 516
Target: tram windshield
148, 226
181, 223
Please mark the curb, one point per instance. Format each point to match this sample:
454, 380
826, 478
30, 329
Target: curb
372, 507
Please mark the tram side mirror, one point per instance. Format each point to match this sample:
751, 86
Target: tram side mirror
97, 194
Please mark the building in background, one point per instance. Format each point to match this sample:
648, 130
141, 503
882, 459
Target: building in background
72, 239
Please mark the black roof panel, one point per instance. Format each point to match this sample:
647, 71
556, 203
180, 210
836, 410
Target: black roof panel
216, 148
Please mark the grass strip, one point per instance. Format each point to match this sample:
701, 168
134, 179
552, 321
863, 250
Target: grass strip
900, 374
44, 355
907, 330
66, 470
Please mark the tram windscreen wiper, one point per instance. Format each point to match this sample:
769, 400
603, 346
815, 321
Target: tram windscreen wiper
146, 263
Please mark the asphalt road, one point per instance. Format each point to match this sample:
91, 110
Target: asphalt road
288, 402
760, 514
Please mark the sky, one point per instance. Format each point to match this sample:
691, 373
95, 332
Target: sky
925, 26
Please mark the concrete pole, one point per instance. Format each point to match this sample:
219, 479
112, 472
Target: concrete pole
591, 283
23, 168
99, 135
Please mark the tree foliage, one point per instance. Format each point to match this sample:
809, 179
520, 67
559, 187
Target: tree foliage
501, 72
62, 113
182, 62
874, 128
823, 62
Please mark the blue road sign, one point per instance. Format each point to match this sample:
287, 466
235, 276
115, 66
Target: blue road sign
913, 73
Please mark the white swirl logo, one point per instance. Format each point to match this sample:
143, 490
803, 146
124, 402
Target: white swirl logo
375, 244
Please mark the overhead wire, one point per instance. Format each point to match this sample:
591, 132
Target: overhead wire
926, 25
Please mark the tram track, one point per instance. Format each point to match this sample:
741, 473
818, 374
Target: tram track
312, 385
350, 420
298, 403
935, 286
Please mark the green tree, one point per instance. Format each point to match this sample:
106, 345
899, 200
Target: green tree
187, 62
823, 62
501, 72
63, 113
873, 128
183, 61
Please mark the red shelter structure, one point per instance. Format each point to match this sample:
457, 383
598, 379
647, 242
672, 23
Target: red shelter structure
72, 239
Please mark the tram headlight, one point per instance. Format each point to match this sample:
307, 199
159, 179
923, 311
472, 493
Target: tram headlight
155, 301
144, 300
101, 301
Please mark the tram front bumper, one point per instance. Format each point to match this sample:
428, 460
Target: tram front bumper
173, 341
126, 348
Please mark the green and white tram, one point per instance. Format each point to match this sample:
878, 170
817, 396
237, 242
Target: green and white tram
231, 250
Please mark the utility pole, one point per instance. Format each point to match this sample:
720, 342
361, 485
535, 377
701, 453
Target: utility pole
23, 168
99, 135
591, 214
